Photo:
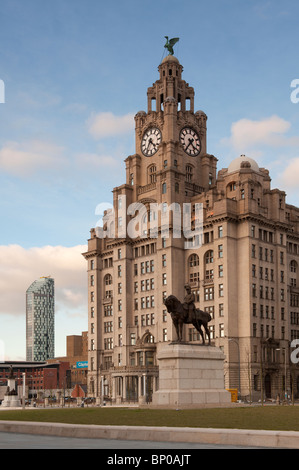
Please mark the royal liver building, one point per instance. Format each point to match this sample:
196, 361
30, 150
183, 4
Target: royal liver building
241, 264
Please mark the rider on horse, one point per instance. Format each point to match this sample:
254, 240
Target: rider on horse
189, 303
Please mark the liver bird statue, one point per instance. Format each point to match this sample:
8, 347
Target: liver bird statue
170, 43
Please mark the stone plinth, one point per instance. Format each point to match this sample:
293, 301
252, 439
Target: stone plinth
190, 376
11, 400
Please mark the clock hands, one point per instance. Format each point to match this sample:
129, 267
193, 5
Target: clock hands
191, 143
150, 141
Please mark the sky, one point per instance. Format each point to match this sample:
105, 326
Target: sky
72, 76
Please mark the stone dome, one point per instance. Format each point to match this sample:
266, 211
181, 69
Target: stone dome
170, 58
243, 162
201, 113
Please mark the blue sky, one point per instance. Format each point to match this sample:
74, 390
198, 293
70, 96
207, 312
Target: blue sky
66, 64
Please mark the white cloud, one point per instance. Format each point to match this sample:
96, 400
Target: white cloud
19, 267
107, 124
23, 159
247, 135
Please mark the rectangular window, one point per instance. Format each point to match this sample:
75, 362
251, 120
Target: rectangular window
253, 290
253, 270
254, 309
209, 293
164, 316
221, 310
221, 290
133, 339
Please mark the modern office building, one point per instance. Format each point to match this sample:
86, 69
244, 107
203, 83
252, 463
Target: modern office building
40, 313
244, 272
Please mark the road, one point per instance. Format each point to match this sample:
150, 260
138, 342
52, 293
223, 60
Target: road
30, 441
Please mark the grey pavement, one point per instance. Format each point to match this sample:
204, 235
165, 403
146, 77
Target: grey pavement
9, 440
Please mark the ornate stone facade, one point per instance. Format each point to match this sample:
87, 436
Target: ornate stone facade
244, 273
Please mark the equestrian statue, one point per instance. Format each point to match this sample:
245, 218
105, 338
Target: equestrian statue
187, 313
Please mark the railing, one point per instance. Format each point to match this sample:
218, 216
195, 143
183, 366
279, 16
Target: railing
146, 188
193, 187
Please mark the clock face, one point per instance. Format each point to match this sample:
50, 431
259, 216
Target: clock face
150, 141
190, 141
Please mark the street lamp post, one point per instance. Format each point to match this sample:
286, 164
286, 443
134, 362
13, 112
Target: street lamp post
23, 398
285, 371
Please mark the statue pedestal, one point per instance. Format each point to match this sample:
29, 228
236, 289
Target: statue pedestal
11, 401
190, 376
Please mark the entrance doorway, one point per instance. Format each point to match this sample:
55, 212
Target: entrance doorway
268, 386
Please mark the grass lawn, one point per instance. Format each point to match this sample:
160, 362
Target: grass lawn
284, 418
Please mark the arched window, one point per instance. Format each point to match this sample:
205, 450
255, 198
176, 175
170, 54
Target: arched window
293, 275
293, 266
193, 263
193, 260
108, 280
152, 174
189, 173
209, 271
163, 188
209, 257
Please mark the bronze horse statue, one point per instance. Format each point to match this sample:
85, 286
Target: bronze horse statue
179, 316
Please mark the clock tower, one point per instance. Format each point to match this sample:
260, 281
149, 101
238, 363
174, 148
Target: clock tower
170, 139
131, 276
